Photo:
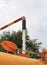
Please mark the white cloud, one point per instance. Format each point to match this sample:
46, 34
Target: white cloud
35, 12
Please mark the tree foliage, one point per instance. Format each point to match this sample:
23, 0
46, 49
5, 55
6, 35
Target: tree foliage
16, 37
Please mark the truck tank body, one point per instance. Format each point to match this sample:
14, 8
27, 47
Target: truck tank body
9, 59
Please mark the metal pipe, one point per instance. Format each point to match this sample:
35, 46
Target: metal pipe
11, 23
23, 31
23, 35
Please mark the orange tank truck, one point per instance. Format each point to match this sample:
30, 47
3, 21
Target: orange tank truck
13, 59
12, 47
9, 59
9, 46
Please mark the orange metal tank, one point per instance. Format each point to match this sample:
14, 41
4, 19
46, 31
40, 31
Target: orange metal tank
44, 50
9, 59
8, 45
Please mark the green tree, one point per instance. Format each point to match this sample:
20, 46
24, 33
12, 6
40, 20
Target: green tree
16, 37
33, 45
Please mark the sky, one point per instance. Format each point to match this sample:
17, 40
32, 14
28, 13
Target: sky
35, 12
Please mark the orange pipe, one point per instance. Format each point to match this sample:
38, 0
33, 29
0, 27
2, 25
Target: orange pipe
9, 59
22, 18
